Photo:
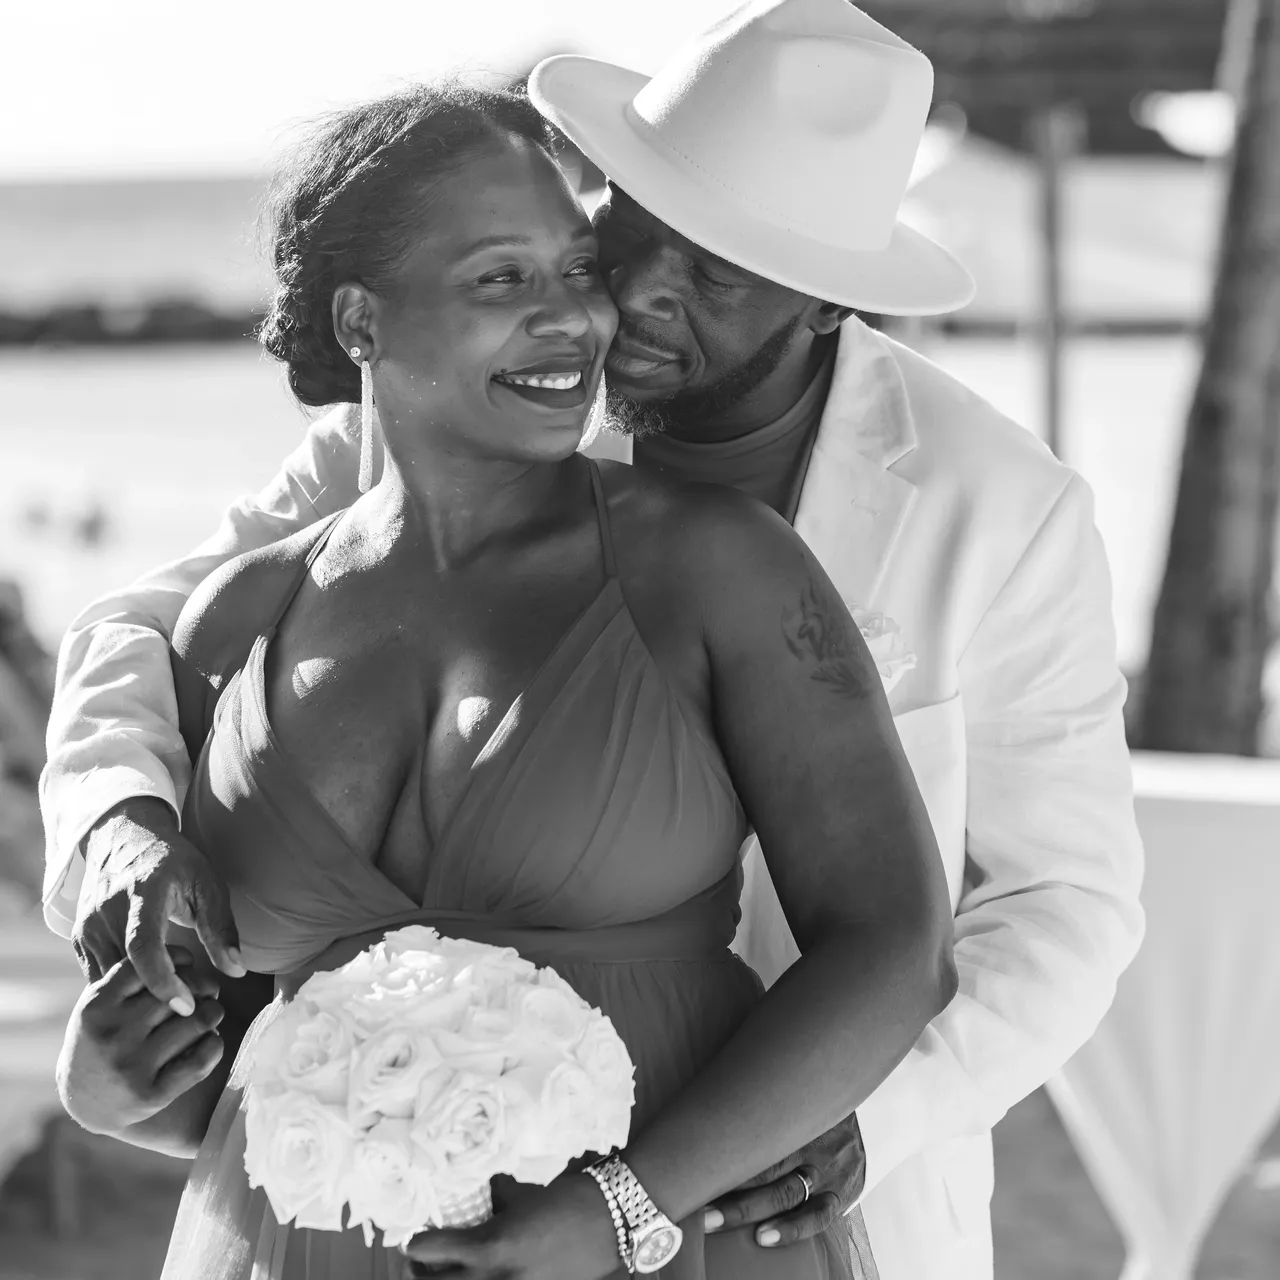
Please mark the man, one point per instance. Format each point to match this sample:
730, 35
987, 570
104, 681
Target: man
755, 188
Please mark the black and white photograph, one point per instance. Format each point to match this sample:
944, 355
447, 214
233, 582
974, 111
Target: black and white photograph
640, 639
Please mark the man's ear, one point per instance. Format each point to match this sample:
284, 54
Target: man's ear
827, 317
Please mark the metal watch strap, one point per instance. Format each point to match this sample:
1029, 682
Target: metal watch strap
638, 1210
648, 1239
600, 1175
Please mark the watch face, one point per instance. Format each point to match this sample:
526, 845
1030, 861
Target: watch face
657, 1248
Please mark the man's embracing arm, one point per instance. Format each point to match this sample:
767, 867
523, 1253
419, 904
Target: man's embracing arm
1050, 915
113, 731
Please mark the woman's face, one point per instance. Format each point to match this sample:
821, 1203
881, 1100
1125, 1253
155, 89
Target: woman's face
492, 339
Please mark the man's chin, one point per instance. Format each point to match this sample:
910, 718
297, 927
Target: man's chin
637, 415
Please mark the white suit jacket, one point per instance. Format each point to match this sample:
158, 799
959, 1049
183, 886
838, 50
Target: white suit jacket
925, 504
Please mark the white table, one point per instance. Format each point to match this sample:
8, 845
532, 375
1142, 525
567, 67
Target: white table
1181, 1083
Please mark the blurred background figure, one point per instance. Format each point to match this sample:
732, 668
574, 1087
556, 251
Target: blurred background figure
1110, 172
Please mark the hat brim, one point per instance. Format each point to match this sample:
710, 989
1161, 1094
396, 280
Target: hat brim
587, 100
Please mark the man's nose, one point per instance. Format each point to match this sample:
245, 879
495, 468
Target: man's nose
642, 284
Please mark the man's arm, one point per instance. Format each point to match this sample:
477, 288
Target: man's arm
1050, 916
113, 731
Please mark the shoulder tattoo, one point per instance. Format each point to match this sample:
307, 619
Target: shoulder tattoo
813, 632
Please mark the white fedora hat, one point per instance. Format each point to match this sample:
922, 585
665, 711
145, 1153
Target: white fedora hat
781, 139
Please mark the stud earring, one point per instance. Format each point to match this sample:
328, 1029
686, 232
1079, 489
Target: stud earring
364, 479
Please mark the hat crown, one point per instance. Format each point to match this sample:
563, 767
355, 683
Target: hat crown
808, 112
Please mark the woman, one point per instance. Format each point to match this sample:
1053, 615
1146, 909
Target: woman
535, 702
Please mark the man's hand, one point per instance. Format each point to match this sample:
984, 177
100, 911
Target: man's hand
126, 1056
836, 1167
140, 876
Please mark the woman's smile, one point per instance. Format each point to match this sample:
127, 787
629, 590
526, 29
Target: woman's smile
558, 383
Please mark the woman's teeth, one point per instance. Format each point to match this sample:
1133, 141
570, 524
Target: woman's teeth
547, 381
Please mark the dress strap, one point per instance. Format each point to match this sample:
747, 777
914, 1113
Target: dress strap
602, 515
316, 548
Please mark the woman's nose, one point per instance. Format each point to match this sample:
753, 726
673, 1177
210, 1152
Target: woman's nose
564, 310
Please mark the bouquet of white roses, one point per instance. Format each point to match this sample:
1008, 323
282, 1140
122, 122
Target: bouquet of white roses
400, 1084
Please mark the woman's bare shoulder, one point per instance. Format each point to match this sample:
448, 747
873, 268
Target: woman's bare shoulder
701, 533
238, 602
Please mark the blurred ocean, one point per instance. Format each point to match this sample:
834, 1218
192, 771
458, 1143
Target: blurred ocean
147, 444
113, 459
1139, 232
126, 243
144, 446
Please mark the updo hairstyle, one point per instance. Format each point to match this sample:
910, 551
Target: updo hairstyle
348, 206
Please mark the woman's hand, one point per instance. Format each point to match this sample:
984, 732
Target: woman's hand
127, 1055
560, 1232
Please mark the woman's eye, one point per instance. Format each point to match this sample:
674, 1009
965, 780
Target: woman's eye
508, 275
587, 267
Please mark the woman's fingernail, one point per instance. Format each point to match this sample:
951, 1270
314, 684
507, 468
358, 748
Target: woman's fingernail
183, 1006
236, 961
712, 1220
768, 1236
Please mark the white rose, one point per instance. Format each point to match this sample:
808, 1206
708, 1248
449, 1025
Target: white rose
413, 937
333, 988
311, 1052
298, 1151
604, 1057
415, 987
484, 1042
885, 642
556, 1015
482, 967
389, 1187
562, 1093
549, 1100
387, 1073
464, 1130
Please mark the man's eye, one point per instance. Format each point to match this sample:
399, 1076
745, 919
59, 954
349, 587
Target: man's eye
508, 275
587, 267
707, 278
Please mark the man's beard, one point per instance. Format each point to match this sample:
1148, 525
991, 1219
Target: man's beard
683, 410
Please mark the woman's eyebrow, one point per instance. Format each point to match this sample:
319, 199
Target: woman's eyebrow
494, 242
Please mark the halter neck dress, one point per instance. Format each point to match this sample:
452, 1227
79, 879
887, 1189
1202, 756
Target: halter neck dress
598, 834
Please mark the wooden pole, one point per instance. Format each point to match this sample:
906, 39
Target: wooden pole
1057, 133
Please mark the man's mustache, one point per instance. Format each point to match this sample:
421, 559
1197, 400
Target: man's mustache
643, 336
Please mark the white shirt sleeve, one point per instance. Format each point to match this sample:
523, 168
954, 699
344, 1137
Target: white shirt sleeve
1049, 917
113, 731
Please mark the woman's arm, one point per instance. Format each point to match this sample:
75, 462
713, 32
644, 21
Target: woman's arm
802, 718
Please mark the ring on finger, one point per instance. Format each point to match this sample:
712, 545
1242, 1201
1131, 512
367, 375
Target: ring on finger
807, 1182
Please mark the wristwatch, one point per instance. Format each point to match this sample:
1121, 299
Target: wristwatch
647, 1238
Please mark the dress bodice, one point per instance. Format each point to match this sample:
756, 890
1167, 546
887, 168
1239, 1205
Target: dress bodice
598, 801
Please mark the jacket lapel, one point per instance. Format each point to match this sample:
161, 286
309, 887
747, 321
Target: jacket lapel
852, 507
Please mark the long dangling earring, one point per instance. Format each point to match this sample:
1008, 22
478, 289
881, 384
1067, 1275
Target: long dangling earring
365, 477
596, 417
